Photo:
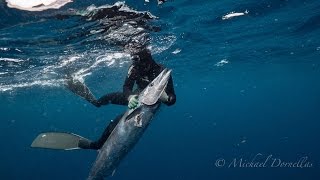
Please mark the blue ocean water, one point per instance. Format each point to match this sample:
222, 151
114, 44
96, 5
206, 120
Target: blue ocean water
247, 86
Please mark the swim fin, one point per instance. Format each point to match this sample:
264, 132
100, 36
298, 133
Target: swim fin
58, 140
81, 90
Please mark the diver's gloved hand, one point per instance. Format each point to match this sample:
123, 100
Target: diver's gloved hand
133, 101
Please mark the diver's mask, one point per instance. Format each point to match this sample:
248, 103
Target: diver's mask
142, 64
136, 59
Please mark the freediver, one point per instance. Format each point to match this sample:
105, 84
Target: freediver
142, 71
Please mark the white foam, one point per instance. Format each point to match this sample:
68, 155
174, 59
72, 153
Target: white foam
17, 50
50, 83
96, 31
4, 49
127, 9
69, 60
160, 2
121, 4
162, 43
222, 63
176, 51
108, 60
124, 33
11, 60
36, 5
234, 14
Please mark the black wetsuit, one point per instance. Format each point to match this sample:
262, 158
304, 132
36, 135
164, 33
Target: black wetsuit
142, 79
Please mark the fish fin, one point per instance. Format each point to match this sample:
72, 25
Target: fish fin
59, 141
133, 113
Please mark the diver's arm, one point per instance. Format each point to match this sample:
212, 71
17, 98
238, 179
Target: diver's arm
129, 82
127, 87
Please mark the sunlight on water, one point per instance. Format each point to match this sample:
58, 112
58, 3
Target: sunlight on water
37, 5
76, 60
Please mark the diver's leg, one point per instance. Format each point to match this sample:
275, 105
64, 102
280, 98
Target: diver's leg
113, 98
105, 135
81, 90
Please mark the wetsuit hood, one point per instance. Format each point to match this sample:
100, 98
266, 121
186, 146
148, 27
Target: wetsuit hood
143, 61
